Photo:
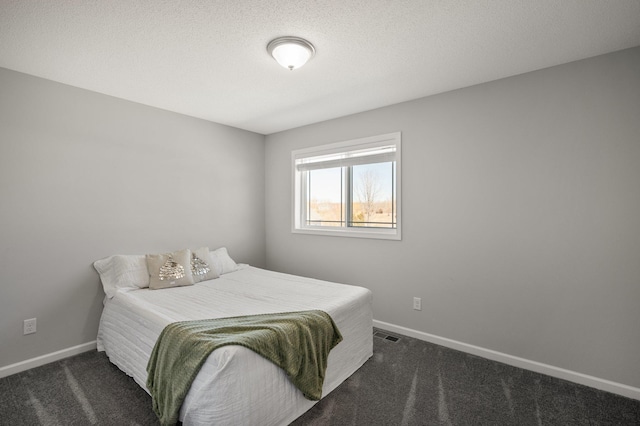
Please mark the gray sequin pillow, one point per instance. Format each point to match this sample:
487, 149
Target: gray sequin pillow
170, 269
201, 266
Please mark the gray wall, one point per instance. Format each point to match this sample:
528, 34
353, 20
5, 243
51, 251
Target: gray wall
84, 176
521, 216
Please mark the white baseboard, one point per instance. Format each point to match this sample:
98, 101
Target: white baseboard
19, 367
538, 367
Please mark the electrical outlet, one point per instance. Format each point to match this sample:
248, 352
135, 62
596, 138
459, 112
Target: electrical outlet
30, 326
417, 303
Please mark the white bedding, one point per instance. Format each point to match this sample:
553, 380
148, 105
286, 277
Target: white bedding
236, 386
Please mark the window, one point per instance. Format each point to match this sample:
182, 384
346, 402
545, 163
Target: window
348, 188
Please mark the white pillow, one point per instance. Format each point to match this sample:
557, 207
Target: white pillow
122, 271
222, 261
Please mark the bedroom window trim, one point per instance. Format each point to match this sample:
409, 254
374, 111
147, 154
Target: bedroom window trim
345, 156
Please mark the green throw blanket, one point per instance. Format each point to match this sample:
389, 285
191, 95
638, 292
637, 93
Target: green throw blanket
297, 342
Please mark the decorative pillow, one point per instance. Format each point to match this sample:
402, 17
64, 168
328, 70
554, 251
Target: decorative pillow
222, 261
201, 265
170, 269
122, 271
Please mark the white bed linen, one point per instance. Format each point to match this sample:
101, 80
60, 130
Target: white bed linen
237, 386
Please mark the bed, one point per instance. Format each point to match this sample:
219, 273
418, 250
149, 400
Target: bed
236, 386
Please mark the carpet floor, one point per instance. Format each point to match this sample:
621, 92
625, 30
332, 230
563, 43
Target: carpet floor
406, 382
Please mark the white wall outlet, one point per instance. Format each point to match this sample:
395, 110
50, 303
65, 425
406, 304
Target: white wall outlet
30, 326
417, 303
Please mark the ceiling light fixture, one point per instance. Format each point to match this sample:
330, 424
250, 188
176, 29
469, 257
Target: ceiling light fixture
291, 52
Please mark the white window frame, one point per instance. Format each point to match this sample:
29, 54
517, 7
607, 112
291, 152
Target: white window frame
298, 223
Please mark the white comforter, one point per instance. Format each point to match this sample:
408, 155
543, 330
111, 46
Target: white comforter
236, 386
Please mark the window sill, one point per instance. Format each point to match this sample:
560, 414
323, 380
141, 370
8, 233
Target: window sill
380, 234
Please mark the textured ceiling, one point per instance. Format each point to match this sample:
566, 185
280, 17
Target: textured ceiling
208, 58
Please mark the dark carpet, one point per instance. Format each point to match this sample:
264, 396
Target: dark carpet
411, 382
408, 382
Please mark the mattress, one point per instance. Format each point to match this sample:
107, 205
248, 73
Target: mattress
235, 385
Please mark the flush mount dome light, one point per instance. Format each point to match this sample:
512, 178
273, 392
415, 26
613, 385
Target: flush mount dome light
291, 52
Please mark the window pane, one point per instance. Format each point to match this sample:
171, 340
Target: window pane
373, 197
324, 197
